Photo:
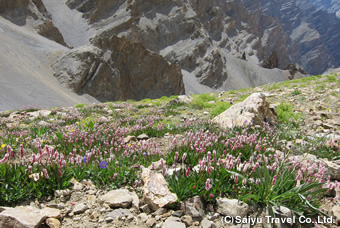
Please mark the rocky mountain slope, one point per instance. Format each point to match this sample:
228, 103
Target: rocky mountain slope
331, 6
312, 36
135, 49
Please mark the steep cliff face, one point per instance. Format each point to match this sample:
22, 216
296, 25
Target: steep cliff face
116, 69
312, 37
135, 49
33, 14
331, 6
193, 34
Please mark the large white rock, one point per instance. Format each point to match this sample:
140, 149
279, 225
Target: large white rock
232, 207
26, 217
120, 198
155, 190
254, 110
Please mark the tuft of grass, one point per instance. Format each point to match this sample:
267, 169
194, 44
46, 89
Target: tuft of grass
219, 108
320, 87
285, 113
79, 105
201, 101
296, 92
331, 78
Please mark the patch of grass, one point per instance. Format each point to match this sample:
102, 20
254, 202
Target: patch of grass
79, 105
331, 78
201, 101
320, 87
296, 92
335, 94
232, 92
274, 86
219, 108
243, 97
285, 114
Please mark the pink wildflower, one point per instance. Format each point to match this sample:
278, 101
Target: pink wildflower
236, 178
208, 185
184, 157
188, 172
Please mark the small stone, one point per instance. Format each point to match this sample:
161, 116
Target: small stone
53, 223
166, 215
173, 222
151, 222
145, 208
130, 138
79, 208
193, 207
130, 217
94, 215
207, 224
119, 213
108, 219
143, 217
158, 217
102, 210
187, 220
336, 213
333, 169
232, 207
179, 213
143, 137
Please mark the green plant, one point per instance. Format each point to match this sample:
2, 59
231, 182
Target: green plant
331, 78
296, 92
219, 108
280, 188
285, 114
79, 105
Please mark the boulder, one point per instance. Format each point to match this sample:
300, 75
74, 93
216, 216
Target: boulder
120, 198
255, 110
26, 217
193, 207
232, 207
155, 190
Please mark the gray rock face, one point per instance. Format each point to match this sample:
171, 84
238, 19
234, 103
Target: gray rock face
34, 13
311, 38
331, 6
252, 111
121, 69
201, 37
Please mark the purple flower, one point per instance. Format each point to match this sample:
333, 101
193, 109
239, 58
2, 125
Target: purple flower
84, 159
103, 165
